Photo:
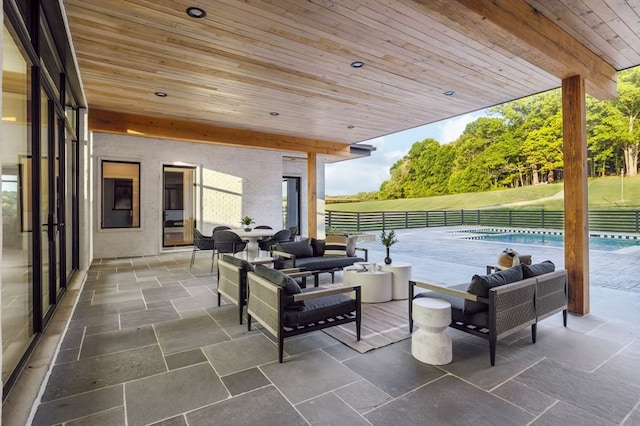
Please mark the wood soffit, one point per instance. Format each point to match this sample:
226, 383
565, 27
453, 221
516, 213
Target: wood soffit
224, 74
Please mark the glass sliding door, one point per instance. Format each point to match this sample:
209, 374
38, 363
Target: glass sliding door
17, 226
178, 206
291, 203
45, 200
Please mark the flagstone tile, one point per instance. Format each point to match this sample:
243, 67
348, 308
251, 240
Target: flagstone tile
328, 409
189, 333
449, 401
264, 407
171, 393
315, 373
98, 372
183, 359
393, 370
363, 396
75, 406
241, 354
596, 393
245, 381
148, 316
116, 341
568, 415
159, 294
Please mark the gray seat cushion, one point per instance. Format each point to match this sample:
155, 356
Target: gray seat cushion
319, 309
327, 262
458, 313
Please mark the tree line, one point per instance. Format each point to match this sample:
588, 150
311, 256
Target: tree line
519, 144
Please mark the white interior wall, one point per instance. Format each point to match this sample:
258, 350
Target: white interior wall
231, 182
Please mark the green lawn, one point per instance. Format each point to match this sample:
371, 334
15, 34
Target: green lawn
604, 194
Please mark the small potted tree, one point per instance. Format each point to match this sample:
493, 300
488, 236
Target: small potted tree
387, 240
246, 222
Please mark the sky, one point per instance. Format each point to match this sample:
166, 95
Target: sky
366, 174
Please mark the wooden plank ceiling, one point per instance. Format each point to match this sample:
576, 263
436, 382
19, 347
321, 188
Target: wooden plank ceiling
248, 59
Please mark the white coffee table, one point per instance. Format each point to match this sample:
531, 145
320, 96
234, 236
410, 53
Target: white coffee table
401, 275
375, 285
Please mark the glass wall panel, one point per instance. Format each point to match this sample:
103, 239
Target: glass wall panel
120, 194
69, 158
44, 200
17, 242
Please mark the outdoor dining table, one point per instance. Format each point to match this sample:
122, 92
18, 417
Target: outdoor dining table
253, 250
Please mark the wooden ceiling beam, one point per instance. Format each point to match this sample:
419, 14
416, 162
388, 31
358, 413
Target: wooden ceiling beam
164, 128
523, 31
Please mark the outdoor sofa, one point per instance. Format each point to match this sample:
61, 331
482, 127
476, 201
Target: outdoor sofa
496, 305
317, 255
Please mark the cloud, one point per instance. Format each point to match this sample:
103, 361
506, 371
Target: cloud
362, 174
366, 174
451, 129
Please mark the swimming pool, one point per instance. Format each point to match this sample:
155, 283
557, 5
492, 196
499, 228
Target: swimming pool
601, 242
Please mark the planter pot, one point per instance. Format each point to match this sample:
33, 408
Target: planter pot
247, 229
387, 260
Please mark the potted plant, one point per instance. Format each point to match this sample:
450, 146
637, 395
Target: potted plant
387, 240
246, 223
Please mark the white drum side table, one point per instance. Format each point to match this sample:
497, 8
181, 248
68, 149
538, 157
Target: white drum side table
375, 286
401, 275
429, 344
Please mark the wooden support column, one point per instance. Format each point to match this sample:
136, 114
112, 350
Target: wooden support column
312, 194
576, 209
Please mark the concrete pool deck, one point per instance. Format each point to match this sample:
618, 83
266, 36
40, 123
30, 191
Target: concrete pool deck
443, 255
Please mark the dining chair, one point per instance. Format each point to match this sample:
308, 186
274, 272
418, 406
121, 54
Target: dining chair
228, 242
202, 243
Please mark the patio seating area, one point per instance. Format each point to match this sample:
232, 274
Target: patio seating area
147, 344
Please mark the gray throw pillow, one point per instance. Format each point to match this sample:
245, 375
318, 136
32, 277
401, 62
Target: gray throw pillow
280, 279
241, 263
351, 245
481, 284
299, 249
530, 271
318, 247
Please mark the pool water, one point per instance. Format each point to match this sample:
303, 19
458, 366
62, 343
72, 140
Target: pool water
596, 242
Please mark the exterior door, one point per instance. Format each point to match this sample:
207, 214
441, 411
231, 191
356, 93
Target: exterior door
178, 208
291, 202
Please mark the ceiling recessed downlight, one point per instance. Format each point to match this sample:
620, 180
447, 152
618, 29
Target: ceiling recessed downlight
161, 94
449, 93
275, 114
351, 126
196, 12
357, 64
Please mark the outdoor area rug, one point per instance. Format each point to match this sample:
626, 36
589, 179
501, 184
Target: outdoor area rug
382, 325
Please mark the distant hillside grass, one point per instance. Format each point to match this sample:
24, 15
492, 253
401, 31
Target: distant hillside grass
604, 194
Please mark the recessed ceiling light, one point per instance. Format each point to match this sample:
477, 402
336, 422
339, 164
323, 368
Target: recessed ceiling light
357, 64
275, 114
351, 127
161, 94
449, 93
196, 12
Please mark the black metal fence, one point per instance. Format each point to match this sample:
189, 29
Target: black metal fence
599, 220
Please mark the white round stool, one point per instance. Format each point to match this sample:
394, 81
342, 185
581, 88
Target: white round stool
429, 344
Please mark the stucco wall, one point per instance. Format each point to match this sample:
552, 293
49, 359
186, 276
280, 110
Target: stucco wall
230, 183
